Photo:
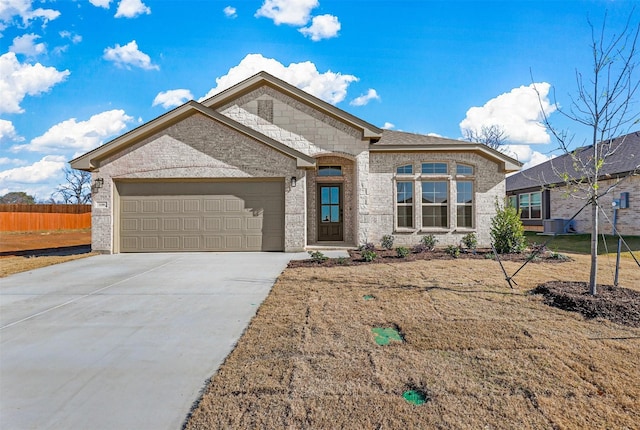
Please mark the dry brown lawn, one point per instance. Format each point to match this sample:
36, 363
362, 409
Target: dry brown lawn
31, 242
485, 356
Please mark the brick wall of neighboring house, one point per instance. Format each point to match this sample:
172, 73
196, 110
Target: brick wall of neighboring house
198, 147
565, 203
488, 185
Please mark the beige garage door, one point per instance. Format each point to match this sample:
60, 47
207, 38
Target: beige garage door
201, 216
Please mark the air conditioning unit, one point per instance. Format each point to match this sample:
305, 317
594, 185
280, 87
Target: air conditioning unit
559, 226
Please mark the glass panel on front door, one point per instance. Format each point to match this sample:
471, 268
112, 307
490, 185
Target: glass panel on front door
330, 225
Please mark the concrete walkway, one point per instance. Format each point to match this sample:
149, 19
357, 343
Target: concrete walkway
123, 341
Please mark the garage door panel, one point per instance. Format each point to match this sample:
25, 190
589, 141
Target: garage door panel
242, 216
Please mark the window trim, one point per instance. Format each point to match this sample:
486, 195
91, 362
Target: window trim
529, 206
447, 227
412, 205
472, 205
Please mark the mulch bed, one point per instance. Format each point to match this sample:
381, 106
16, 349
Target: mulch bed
617, 304
391, 256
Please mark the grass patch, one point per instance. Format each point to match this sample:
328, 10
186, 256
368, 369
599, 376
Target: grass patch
491, 357
581, 243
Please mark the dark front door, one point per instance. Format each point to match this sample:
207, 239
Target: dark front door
330, 212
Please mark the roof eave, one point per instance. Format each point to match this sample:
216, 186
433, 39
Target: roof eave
91, 160
369, 131
507, 164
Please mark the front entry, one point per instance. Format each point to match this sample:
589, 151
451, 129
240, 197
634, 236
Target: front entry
330, 218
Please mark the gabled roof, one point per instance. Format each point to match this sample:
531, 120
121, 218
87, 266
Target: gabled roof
623, 160
91, 160
395, 141
264, 78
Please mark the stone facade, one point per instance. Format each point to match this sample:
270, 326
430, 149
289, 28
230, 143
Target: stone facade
565, 203
488, 183
197, 148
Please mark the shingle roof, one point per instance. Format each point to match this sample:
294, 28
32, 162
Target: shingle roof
393, 137
624, 159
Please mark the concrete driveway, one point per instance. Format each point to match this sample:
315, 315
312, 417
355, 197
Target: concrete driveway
123, 341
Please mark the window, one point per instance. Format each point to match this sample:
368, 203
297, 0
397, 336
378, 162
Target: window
531, 205
434, 168
464, 204
513, 201
404, 204
463, 169
330, 171
405, 170
435, 208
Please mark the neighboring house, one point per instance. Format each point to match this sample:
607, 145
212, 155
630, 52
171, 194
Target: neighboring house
266, 166
542, 193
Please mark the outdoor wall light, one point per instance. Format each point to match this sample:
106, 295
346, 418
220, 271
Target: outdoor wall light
98, 183
293, 181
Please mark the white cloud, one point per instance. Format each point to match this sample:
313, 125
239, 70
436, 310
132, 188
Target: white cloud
26, 45
101, 3
322, 27
83, 136
518, 112
8, 132
131, 9
388, 126
329, 86
292, 12
129, 55
526, 155
230, 12
24, 10
14, 161
18, 80
365, 98
172, 98
74, 38
40, 171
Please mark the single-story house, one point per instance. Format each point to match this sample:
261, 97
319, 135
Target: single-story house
543, 194
265, 166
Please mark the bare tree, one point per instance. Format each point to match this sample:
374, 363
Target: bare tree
77, 187
604, 104
494, 136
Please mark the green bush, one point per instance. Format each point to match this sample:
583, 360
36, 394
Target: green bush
317, 256
429, 241
402, 251
453, 251
387, 241
368, 255
470, 241
507, 232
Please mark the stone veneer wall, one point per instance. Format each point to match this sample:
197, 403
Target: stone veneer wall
565, 205
198, 148
349, 198
489, 184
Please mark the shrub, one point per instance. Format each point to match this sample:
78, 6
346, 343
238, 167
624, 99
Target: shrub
470, 241
429, 241
507, 232
341, 261
489, 256
368, 255
387, 241
367, 247
402, 251
317, 256
453, 250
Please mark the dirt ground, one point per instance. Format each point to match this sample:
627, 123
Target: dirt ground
10, 242
24, 251
483, 355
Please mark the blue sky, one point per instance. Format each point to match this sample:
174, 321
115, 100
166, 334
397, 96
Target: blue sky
76, 74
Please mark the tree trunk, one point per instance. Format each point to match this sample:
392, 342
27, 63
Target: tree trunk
593, 275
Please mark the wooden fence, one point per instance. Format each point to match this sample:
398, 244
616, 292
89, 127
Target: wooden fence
22, 217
